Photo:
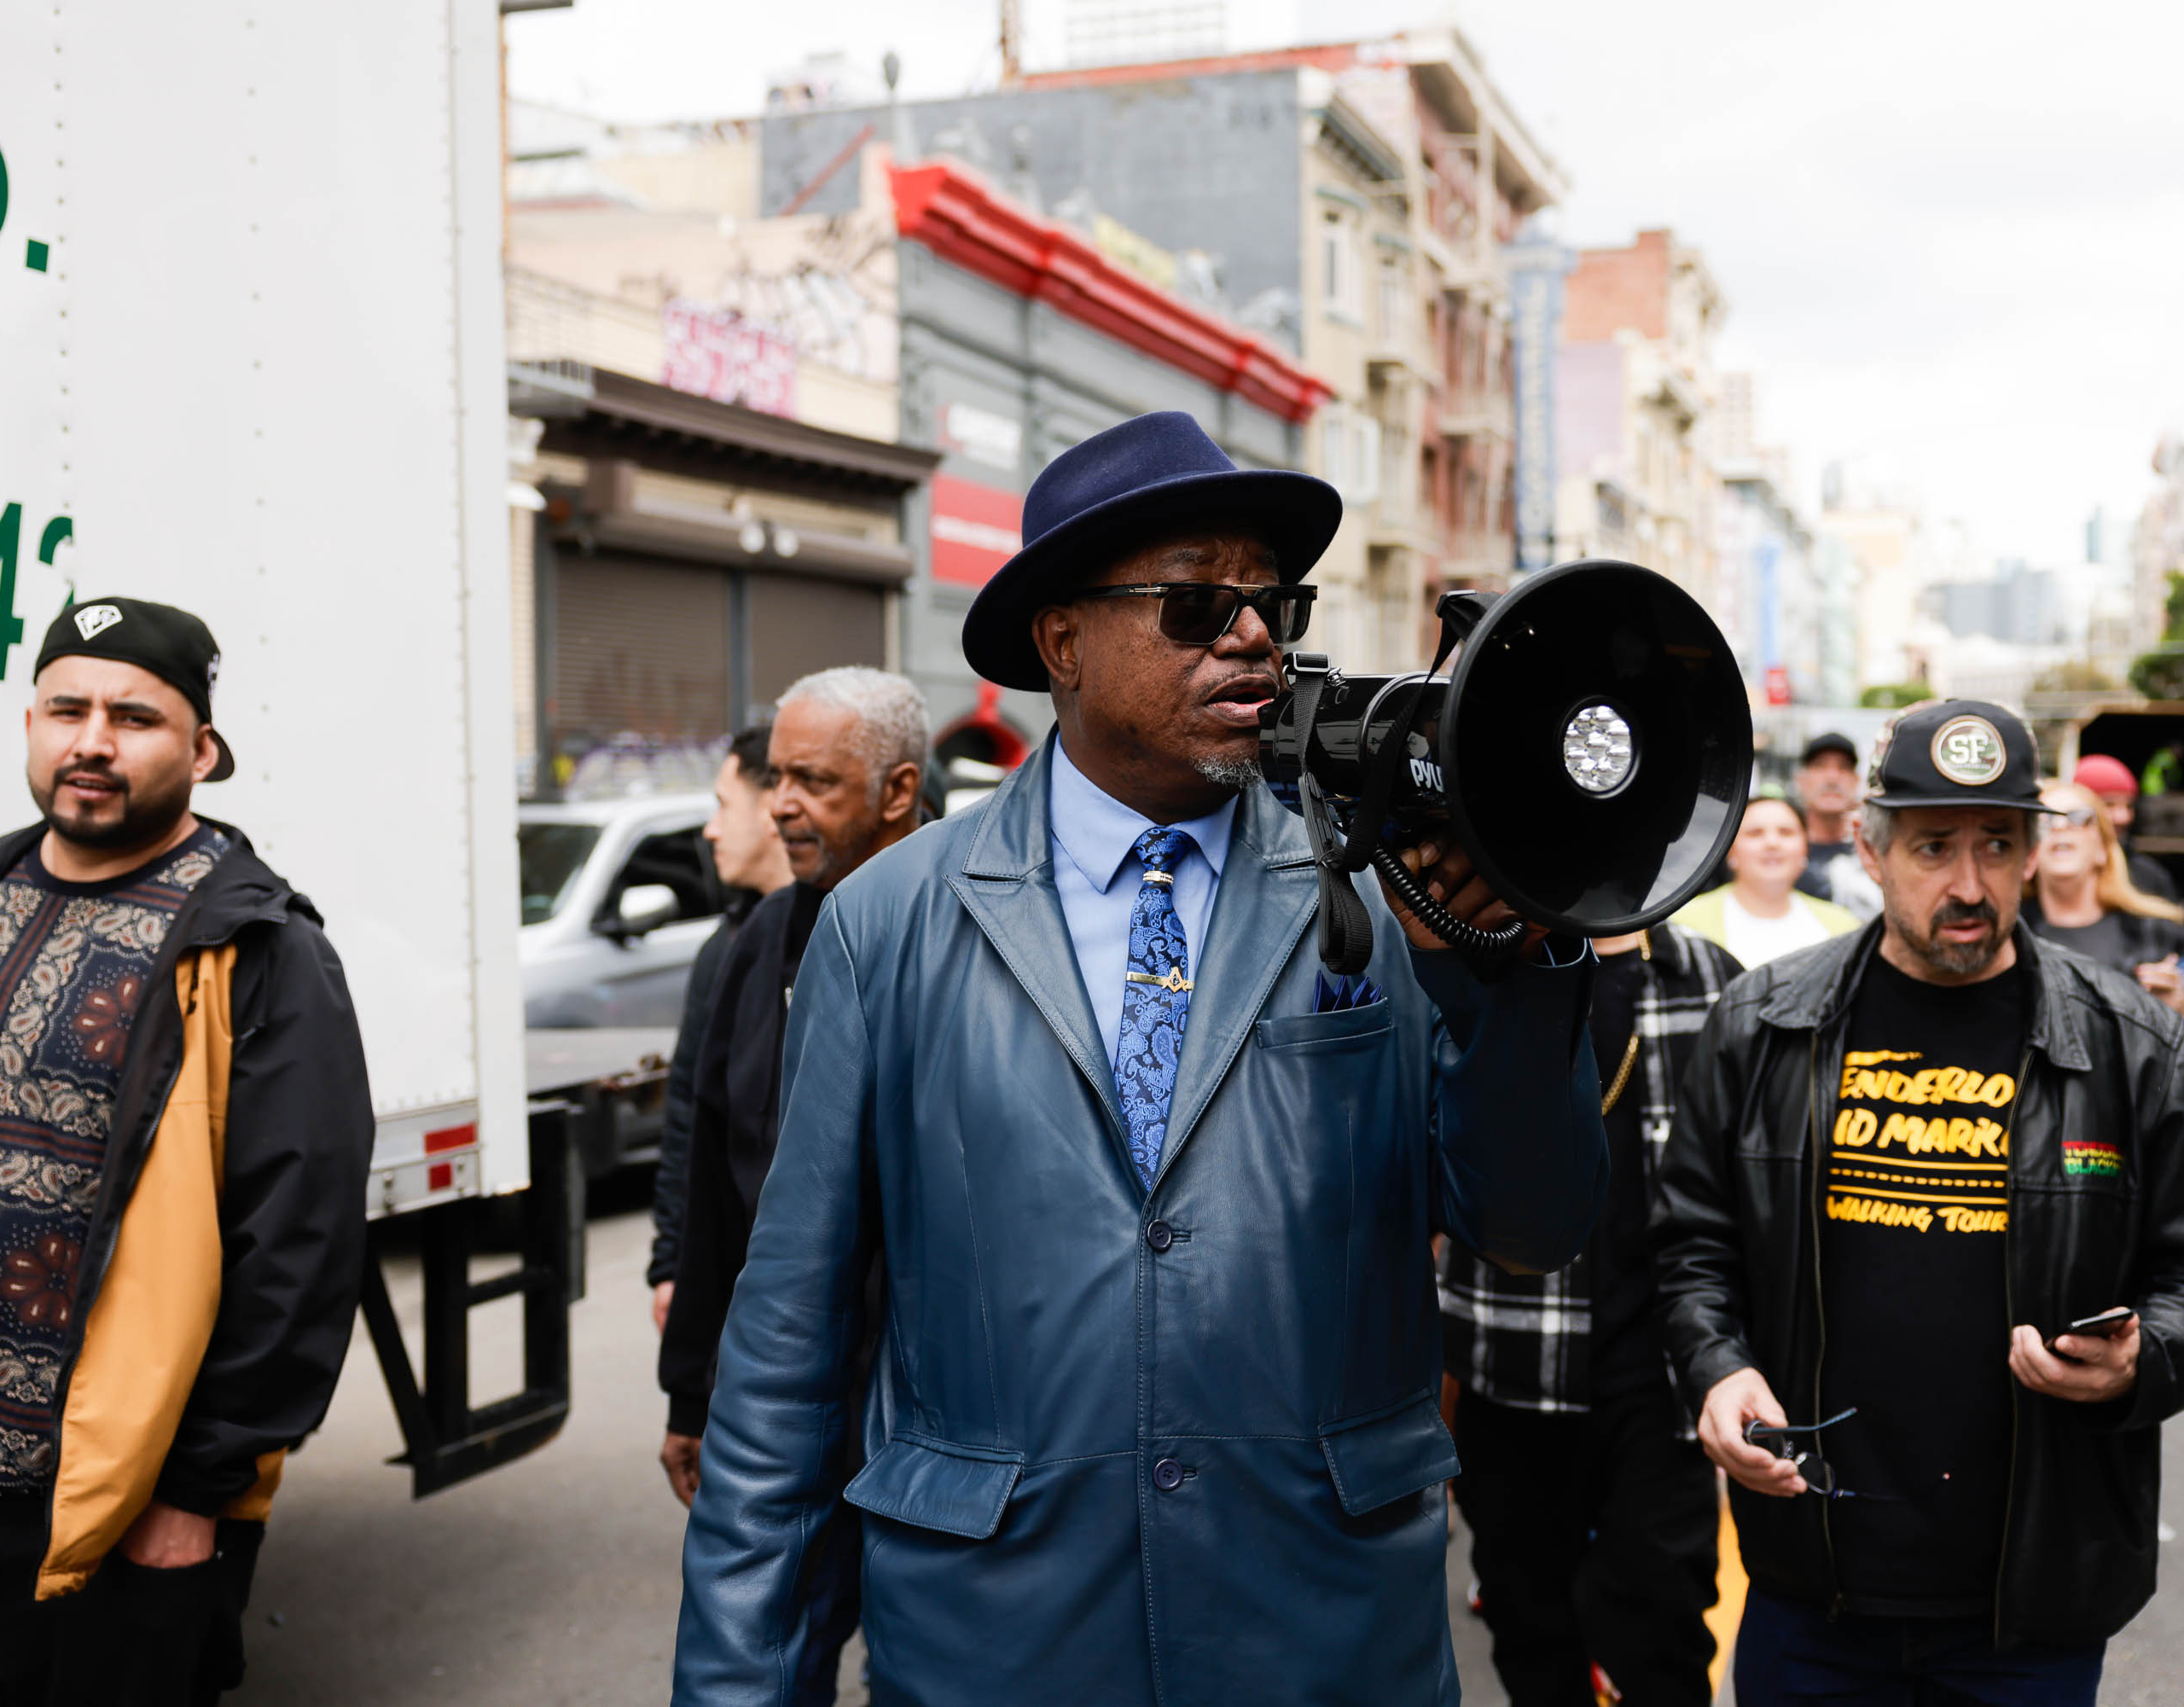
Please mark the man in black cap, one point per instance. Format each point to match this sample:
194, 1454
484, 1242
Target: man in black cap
1827, 785
1155, 1415
184, 1134
1908, 1169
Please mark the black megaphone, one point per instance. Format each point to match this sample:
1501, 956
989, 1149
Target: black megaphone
1590, 750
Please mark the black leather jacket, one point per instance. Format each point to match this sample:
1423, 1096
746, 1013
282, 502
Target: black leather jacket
1735, 1220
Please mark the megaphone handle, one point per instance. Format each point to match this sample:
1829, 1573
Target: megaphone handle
1458, 618
1488, 953
1346, 928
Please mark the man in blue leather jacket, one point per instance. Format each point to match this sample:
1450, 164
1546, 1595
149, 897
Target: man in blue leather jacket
1155, 1417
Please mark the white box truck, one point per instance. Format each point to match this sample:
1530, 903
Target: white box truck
251, 364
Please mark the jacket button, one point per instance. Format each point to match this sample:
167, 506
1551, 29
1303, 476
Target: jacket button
1160, 1235
1167, 1475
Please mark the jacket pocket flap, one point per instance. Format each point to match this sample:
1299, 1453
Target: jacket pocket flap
1342, 1026
960, 1490
1388, 1456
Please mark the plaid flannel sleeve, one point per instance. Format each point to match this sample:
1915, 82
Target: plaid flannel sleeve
1521, 1340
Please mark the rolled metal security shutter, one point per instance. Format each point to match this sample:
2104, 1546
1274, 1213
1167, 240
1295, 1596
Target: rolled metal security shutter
799, 626
640, 648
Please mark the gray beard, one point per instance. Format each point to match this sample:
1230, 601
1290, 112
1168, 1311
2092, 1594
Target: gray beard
1959, 959
1235, 774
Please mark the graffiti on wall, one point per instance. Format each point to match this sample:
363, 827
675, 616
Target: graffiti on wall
717, 353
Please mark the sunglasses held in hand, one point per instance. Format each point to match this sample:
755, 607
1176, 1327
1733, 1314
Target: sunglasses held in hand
1786, 1441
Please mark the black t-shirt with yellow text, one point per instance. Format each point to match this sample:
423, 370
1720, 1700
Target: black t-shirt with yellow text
1914, 1197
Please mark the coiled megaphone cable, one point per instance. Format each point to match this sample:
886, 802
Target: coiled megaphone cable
1488, 953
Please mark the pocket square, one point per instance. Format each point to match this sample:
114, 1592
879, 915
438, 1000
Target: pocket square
1343, 994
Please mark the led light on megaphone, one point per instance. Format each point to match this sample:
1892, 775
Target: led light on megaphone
1597, 751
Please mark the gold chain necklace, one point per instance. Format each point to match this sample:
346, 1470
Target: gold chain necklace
1629, 1049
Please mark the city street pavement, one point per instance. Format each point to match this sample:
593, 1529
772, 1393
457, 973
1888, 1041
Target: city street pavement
548, 1583
554, 1582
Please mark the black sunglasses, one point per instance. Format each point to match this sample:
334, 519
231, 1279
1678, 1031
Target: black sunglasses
1198, 613
1784, 1441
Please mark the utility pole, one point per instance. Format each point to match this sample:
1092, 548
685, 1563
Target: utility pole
1012, 42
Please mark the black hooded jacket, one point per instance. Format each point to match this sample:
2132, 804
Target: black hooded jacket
1735, 1228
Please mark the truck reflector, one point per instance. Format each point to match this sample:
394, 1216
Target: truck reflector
441, 1174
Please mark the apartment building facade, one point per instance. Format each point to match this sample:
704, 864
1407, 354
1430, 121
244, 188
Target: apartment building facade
1348, 202
923, 323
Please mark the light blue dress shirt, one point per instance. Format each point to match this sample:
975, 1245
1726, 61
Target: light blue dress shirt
1098, 877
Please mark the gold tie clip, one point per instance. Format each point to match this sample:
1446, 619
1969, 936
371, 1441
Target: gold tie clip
1173, 982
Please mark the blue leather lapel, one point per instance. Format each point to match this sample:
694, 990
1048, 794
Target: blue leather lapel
1268, 895
1007, 884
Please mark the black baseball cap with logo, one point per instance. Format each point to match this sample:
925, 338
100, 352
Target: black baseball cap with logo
1958, 752
172, 644
1830, 742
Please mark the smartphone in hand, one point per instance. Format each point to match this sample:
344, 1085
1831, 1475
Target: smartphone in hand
2105, 1326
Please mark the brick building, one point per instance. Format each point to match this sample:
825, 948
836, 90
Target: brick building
1635, 393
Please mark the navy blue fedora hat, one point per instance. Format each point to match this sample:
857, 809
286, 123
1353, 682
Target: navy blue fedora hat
1110, 494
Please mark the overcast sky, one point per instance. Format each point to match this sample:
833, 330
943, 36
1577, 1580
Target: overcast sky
1951, 235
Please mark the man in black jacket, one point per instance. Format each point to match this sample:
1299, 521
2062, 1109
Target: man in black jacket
184, 1135
752, 864
847, 752
1904, 1164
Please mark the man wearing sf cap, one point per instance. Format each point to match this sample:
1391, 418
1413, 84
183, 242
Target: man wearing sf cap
184, 1133
1155, 1417
1904, 1164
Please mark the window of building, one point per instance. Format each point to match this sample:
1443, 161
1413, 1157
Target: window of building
1349, 454
1608, 504
1339, 283
1465, 372
1364, 461
1396, 467
1393, 298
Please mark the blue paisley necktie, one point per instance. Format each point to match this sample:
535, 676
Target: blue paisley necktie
1156, 999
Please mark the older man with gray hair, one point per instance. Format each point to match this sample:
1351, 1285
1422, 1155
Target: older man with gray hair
848, 749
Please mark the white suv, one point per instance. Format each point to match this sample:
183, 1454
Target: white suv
618, 896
